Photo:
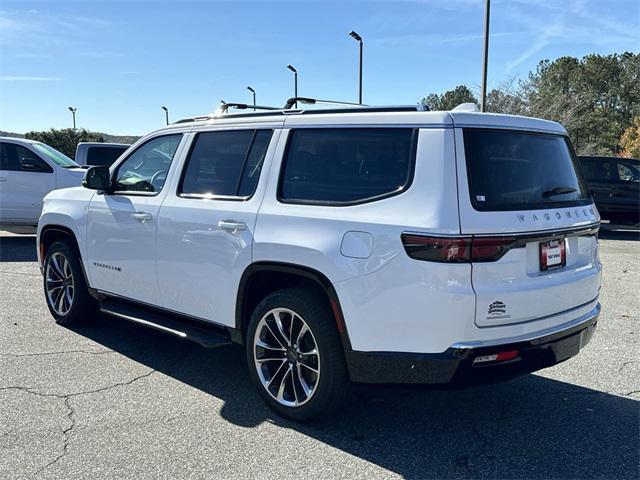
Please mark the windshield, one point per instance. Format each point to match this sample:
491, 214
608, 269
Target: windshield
514, 170
54, 155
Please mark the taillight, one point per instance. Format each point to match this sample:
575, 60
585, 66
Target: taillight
490, 249
437, 249
457, 249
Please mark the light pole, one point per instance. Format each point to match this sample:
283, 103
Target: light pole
166, 114
254, 97
295, 82
483, 100
73, 112
358, 39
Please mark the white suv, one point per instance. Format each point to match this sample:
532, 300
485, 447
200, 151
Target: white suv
376, 245
29, 170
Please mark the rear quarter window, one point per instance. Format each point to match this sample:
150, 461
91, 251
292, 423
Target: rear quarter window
517, 170
345, 166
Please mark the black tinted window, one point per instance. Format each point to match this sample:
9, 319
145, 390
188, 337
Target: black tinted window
510, 170
225, 163
103, 156
345, 165
18, 158
599, 168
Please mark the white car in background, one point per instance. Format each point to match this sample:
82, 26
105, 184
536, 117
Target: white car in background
29, 170
99, 153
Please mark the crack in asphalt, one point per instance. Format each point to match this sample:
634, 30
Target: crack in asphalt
70, 410
40, 354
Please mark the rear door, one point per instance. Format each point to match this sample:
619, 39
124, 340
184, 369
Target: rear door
207, 221
525, 205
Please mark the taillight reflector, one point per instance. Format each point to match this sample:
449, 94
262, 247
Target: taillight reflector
497, 357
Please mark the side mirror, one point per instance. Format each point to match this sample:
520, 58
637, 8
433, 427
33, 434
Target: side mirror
97, 178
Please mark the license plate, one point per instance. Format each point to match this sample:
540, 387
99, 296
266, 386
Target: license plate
552, 254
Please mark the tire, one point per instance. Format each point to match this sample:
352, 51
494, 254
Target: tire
315, 393
63, 274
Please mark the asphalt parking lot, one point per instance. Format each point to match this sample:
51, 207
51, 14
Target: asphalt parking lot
114, 400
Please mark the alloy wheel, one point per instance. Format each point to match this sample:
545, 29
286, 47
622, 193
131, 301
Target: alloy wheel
59, 284
286, 357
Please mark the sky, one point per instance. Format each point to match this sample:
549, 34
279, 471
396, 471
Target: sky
119, 62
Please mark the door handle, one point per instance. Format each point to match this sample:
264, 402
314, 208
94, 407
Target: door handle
232, 225
141, 216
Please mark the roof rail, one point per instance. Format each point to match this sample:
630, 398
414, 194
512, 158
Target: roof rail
312, 101
243, 106
269, 111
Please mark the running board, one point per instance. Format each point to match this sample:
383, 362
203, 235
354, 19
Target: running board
198, 332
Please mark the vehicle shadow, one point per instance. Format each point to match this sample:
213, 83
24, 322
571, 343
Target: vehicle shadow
531, 427
18, 248
606, 234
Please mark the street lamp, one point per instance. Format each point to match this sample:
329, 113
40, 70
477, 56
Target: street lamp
358, 39
166, 114
254, 97
295, 82
483, 99
73, 112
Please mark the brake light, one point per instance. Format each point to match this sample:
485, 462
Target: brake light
437, 249
490, 249
457, 249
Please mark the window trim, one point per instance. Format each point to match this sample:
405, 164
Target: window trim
574, 159
116, 167
228, 198
413, 151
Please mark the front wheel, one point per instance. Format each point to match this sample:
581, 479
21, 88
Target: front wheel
295, 355
65, 287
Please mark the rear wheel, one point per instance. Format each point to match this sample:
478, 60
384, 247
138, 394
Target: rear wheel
65, 287
295, 355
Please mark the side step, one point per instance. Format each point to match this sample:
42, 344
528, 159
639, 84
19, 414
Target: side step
199, 332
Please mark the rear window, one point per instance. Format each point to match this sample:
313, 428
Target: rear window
341, 166
103, 156
513, 170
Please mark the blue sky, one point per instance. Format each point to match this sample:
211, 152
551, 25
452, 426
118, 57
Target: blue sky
119, 62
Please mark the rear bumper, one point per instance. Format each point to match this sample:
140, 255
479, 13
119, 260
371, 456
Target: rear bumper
456, 365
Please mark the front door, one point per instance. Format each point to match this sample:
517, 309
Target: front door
122, 226
24, 180
206, 225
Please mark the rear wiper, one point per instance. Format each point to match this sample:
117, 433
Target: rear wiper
557, 191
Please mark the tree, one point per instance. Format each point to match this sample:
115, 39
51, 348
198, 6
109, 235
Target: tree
66, 140
449, 99
630, 140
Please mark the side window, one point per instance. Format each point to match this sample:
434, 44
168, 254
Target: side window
103, 156
225, 163
598, 168
18, 158
628, 170
347, 165
145, 170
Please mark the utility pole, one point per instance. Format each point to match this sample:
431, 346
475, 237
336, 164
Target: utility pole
483, 100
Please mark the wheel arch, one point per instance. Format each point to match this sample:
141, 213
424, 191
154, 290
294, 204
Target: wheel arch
262, 278
49, 234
